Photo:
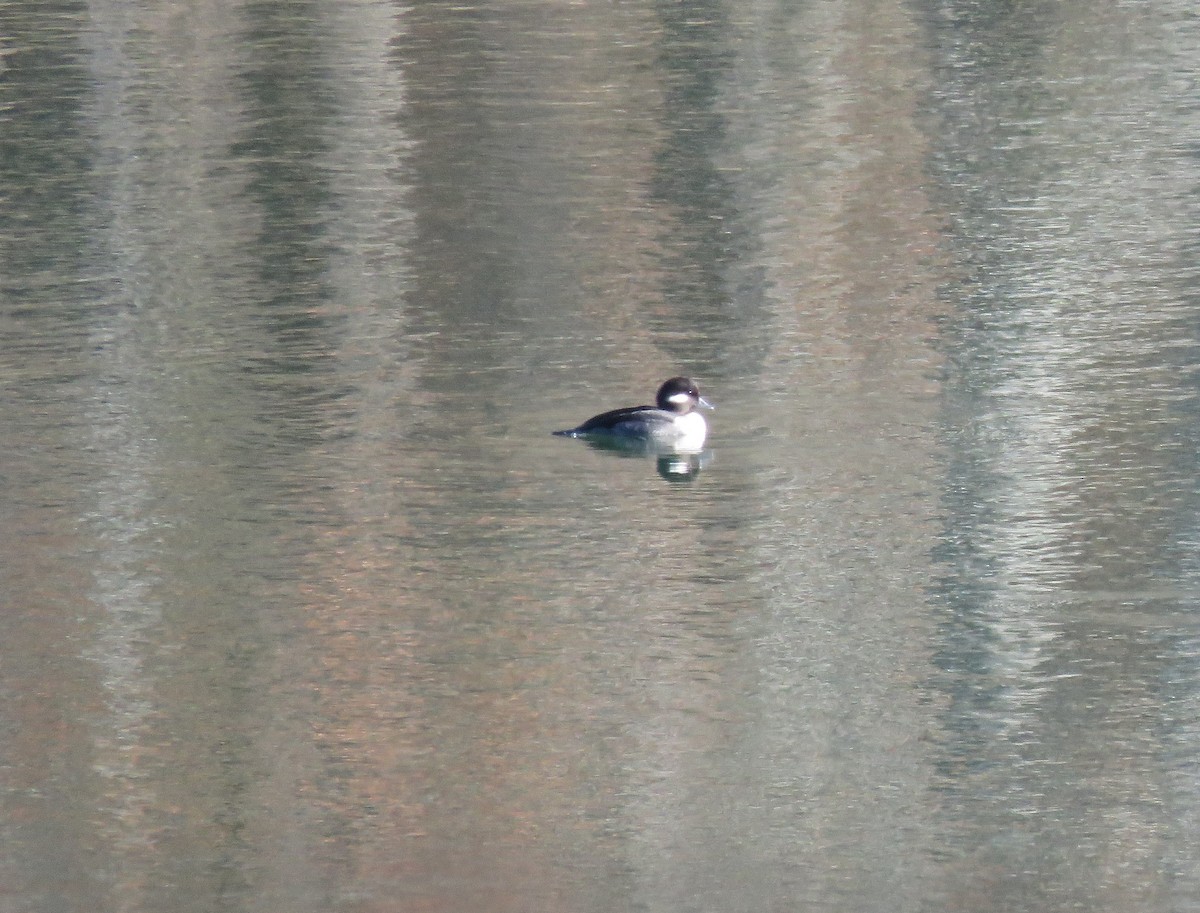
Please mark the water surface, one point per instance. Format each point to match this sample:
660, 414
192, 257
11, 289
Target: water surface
305, 608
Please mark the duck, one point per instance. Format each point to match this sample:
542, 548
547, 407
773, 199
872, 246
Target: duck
672, 421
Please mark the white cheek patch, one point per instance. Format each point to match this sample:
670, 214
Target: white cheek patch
678, 398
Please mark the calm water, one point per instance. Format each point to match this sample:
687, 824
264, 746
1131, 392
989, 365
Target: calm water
304, 609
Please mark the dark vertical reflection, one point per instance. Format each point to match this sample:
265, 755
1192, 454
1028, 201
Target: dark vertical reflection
464, 247
46, 153
50, 297
694, 59
704, 311
289, 103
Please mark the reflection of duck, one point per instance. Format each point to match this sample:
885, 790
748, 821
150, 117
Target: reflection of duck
672, 421
682, 467
675, 464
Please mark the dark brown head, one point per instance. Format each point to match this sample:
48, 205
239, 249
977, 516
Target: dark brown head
680, 395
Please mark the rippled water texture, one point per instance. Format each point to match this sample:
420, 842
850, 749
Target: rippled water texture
305, 609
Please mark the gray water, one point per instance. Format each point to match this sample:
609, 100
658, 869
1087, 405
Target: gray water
304, 608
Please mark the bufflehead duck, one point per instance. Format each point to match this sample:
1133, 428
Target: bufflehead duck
672, 421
